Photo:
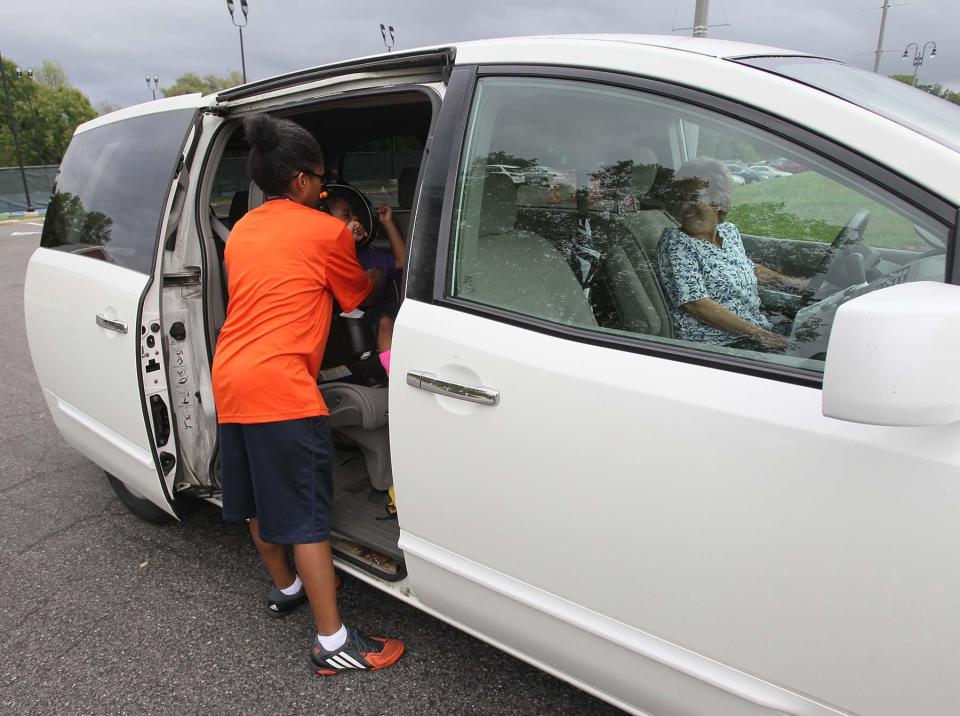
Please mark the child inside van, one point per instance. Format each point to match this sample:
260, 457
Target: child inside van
383, 268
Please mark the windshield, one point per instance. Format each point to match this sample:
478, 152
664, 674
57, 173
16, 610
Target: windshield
920, 111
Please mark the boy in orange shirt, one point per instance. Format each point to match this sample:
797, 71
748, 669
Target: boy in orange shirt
285, 263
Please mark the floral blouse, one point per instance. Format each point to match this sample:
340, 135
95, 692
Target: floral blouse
691, 269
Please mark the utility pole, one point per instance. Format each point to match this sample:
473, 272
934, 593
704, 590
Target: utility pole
883, 24
16, 136
701, 18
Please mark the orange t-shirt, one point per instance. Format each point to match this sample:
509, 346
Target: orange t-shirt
285, 263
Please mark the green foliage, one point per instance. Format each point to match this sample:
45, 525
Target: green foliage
46, 110
106, 107
191, 83
934, 88
773, 219
810, 206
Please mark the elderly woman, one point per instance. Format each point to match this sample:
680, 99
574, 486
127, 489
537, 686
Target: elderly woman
710, 282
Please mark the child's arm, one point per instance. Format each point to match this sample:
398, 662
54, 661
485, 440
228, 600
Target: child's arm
397, 245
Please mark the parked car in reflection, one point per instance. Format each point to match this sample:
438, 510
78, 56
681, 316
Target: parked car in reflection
787, 165
514, 172
542, 175
741, 170
765, 172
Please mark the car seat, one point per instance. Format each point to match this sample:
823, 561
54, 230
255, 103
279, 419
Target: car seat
354, 387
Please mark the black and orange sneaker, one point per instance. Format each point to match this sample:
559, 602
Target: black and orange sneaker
280, 605
359, 652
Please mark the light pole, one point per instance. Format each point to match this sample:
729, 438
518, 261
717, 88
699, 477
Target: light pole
240, 24
383, 31
155, 86
33, 113
918, 53
16, 136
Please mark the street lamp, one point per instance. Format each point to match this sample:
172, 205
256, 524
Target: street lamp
155, 86
28, 73
383, 31
918, 53
240, 23
16, 136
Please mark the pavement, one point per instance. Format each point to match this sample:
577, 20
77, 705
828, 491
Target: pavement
101, 613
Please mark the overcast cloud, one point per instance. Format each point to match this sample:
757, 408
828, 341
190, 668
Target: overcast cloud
108, 46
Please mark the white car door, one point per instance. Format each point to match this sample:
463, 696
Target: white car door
672, 525
98, 358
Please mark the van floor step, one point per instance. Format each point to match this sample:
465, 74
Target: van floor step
359, 511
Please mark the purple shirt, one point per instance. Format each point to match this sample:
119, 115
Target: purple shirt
374, 258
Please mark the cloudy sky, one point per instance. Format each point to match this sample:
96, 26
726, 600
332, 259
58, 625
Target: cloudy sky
108, 46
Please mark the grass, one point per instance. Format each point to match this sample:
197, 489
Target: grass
811, 207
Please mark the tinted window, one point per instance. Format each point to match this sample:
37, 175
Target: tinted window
625, 213
113, 184
920, 111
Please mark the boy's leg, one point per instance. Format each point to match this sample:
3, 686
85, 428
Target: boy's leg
385, 334
274, 556
315, 567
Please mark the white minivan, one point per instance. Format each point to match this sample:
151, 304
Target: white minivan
675, 526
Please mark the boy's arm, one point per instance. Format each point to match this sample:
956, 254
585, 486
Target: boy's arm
397, 245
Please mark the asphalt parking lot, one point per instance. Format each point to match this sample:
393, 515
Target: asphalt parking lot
102, 613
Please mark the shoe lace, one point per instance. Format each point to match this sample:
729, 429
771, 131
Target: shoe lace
363, 643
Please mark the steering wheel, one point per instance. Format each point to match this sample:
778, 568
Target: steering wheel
830, 275
360, 206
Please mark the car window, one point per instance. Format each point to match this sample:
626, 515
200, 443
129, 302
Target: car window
112, 188
231, 184
375, 166
621, 212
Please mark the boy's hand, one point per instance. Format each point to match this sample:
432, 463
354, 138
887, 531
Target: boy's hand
385, 214
359, 233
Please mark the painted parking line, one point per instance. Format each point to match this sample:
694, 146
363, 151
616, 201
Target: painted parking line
25, 233
34, 223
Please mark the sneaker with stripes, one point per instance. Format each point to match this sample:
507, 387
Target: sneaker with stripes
359, 652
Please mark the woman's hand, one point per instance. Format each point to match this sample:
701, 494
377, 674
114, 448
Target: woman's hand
708, 311
768, 339
385, 214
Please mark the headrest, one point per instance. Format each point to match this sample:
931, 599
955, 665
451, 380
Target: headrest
644, 170
255, 197
498, 207
406, 186
238, 207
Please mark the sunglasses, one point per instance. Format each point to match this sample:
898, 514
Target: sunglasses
323, 183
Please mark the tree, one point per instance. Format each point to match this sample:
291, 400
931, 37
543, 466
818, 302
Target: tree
934, 88
106, 107
191, 83
46, 110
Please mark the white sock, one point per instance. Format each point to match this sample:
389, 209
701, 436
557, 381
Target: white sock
293, 588
335, 640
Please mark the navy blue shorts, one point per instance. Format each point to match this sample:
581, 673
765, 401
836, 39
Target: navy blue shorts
280, 473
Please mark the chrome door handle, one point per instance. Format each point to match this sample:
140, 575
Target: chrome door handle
449, 389
111, 324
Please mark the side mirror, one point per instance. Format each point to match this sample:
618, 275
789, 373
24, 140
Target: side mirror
892, 358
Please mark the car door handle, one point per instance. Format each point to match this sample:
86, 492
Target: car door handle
449, 389
111, 324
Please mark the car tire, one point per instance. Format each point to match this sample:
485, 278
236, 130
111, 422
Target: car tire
137, 504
